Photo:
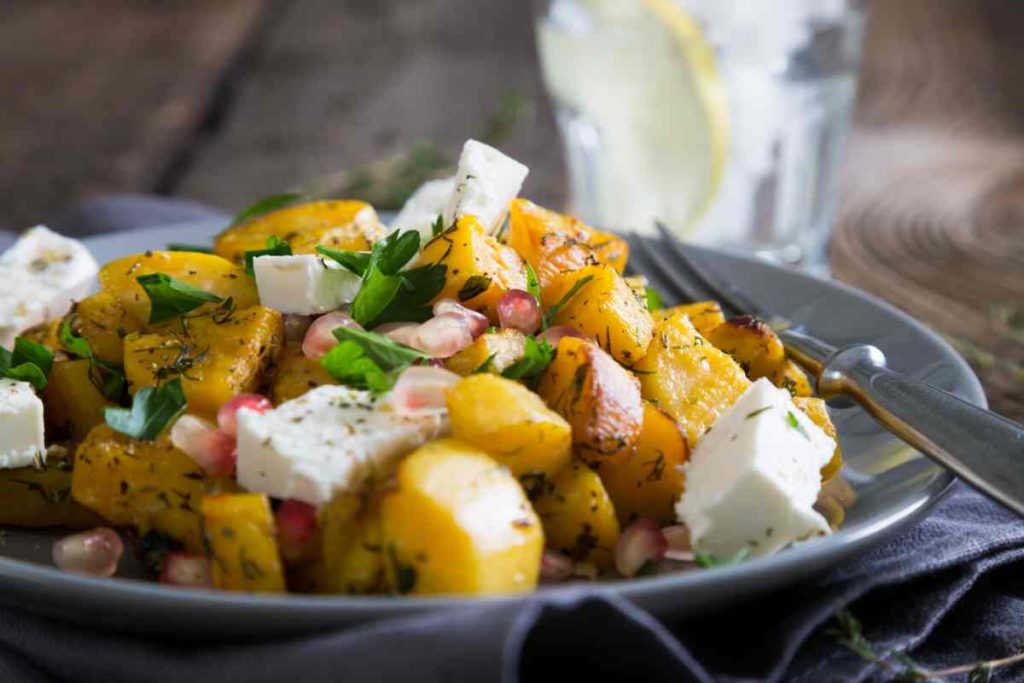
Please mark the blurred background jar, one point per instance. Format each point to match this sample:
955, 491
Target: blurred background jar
722, 119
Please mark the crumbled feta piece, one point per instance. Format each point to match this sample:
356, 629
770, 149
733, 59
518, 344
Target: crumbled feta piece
329, 440
424, 206
21, 425
754, 477
303, 284
485, 183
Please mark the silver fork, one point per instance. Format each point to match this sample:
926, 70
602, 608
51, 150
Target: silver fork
984, 449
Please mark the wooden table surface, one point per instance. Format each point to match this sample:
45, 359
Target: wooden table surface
227, 100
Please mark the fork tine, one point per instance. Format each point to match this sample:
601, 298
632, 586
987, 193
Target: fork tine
656, 267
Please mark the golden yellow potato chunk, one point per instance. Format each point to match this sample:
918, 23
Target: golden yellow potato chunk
294, 375
502, 348
343, 224
240, 538
101, 319
705, 315
791, 377
351, 557
457, 522
753, 344
578, 516
73, 403
510, 423
687, 377
816, 409
41, 497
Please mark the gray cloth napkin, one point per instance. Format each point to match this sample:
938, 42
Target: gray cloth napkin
951, 591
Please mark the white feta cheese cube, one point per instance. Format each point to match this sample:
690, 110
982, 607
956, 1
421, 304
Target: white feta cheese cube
485, 183
753, 478
24, 304
329, 440
21, 425
303, 284
424, 206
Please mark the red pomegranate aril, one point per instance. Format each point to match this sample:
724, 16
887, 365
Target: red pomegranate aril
442, 336
227, 416
296, 326
422, 389
553, 334
519, 310
186, 570
188, 434
296, 524
677, 536
639, 544
218, 454
320, 337
94, 552
398, 332
477, 322
555, 567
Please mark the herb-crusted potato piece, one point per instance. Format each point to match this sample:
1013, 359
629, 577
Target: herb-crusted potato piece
791, 377
605, 308
458, 522
344, 224
150, 485
295, 374
753, 344
480, 269
578, 516
34, 497
511, 423
705, 315
216, 358
239, 532
101, 319
646, 480
555, 243
502, 348
46, 334
816, 409
351, 556
205, 271
73, 403
598, 397
687, 377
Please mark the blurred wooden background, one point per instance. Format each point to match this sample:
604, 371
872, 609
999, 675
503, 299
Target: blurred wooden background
227, 100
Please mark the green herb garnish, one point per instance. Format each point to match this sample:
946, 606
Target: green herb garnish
707, 560
355, 261
194, 248
368, 360
381, 281
793, 422
654, 300
265, 205
275, 247
437, 227
486, 365
108, 378
171, 297
532, 282
757, 412
536, 358
153, 410
474, 286
29, 362
550, 314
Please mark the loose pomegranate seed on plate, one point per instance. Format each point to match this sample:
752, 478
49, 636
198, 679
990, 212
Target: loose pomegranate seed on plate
519, 310
639, 544
95, 552
186, 570
320, 337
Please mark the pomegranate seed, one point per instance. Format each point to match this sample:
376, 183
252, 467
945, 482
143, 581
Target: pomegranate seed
442, 336
211, 448
640, 543
678, 538
555, 567
320, 337
189, 432
553, 334
227, 416
399, 332
296, 529
94, 552
295, 326
519, 310
186, 570
422, 389
477, 322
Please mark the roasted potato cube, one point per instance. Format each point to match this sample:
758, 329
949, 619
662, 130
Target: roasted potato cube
205, 271
554, 243
606, 309
705, 315
41, 497
458, 522
598, 397
578, 516
101, 319
216, 358
753, 344
647, 479
687, 377
503, 348
351, 557
480, 269
816, 409
73, 403
510, 423
344, 224
46, 334
791, 377
150, 485
239, 532
295, 374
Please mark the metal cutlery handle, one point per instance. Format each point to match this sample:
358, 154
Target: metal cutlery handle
981, 447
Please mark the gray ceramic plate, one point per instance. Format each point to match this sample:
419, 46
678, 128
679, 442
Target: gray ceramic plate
894, 487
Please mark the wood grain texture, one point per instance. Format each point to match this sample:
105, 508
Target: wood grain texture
932, 213
99, 96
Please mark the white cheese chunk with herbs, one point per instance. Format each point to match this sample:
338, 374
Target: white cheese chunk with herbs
485, 183
303, 284
21, 425
329, 440
753, 479
424, 206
